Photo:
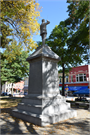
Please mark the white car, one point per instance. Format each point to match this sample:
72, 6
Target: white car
15, 94
8, 93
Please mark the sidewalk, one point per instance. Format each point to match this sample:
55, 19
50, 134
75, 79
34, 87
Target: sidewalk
74, 126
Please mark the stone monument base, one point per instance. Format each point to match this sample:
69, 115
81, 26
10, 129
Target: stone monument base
43, 111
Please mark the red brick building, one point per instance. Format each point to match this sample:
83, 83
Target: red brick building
78, 77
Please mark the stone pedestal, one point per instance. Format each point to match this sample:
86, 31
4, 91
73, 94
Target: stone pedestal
43, 105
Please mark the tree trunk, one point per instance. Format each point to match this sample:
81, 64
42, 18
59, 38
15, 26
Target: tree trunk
0, 89
63, 91
12, 90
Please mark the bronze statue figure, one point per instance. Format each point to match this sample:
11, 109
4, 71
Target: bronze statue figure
43, 31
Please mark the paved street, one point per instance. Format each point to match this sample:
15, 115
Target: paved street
74, 126
68, 98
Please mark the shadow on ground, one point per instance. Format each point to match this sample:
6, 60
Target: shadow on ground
12, 125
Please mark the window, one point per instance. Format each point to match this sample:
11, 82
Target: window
60, 80
66, 78
71, 78
84, 77
80, 77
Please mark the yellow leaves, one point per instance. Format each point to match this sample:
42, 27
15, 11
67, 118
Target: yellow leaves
22, 28
21, 11
28, 34
56, 26
30, 40
31, 45
14, 58
36, 4
32, 7
12, 51
84, 19
51, 132
24, 13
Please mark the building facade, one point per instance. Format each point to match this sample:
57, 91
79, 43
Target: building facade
26, 84
9, 87
19, 86
78, 78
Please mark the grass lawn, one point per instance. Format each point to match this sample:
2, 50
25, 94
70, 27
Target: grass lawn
7, 102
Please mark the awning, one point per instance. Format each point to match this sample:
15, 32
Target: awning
84, 91
76, 88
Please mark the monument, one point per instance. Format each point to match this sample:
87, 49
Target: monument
43, 105
43, 31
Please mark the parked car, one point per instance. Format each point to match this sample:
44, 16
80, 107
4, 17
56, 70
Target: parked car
25, 93
9, 94
4, 94
81, 99
21, 93
15, 94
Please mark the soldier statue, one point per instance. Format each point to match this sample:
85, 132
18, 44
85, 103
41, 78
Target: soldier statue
43, 31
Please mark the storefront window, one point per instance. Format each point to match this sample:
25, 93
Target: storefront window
81, 77
84, 78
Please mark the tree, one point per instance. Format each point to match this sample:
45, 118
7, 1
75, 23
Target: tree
6, 31
22, 18
16, 68
78, 24
58, 42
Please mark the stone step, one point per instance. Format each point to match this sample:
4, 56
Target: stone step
30, 107
55, 108
32, 101
27, 116
39, 100
60, 116
34, 108
43, 120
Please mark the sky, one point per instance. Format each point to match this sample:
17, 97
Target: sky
53, 11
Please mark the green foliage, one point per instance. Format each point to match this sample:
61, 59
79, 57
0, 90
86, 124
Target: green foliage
15, 70
78, 13
58, 42
78, 24
39, 43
